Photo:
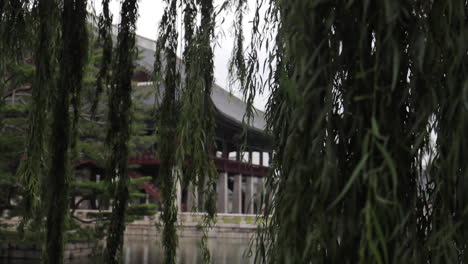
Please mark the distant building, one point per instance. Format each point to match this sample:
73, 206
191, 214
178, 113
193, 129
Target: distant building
241, 174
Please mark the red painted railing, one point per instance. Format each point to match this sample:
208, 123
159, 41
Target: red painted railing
222, 165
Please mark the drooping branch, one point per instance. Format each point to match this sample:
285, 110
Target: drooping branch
118, 133
358, 91
15, 28
237, 67
32, 168
167, 121
72, 59
105, 39
203, 165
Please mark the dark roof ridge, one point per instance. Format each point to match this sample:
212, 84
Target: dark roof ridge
226, 102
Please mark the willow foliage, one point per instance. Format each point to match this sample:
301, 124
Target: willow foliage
196, 125
15, 17
187, 112
118, 133
167, 122
16, 28
105, 39
32, 169
73, 49
367, 109
237, 65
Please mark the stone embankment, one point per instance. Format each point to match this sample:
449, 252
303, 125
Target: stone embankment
33, 251
190, 225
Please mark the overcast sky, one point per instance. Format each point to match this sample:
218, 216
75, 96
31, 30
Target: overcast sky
150, 13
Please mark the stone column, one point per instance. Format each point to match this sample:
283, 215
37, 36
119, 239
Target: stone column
249, 195
145, 255
222, 192
237, 195
175, 174
179, 196
201, 197
98, 179
260, 192
192, 198
127, 254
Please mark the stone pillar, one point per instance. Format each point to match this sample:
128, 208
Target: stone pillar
201, 197
179, 196
222, 192
98, 179
237, 195
146, 202
127, 255
260, 194
145, 255
249, 195
192, 198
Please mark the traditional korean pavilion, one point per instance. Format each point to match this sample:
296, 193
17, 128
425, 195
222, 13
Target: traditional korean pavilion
241, 174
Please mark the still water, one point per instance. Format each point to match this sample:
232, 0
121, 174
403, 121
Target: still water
224, 251
149, 251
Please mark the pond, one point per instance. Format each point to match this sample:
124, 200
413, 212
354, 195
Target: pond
224, 251
145, 251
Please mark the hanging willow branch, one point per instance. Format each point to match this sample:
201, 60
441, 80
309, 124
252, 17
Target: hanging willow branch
32, 168
358, 89
196, 125
105, 39
206, 171
167, 121
15, 29
190, 15
118, 133
15, 19
237, 67
71, 61
278, 114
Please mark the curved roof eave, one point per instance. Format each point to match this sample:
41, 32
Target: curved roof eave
225, 103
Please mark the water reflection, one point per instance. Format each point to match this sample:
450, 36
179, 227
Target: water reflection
224, 251
145, 251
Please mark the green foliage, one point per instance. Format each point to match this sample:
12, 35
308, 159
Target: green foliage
118, 132
15, 76
90, 132
84, 234
168, 117
367, 110
73, 50
32, 169
28, 236
82, 130
363, 96
100, 191
105, 39
141, 210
